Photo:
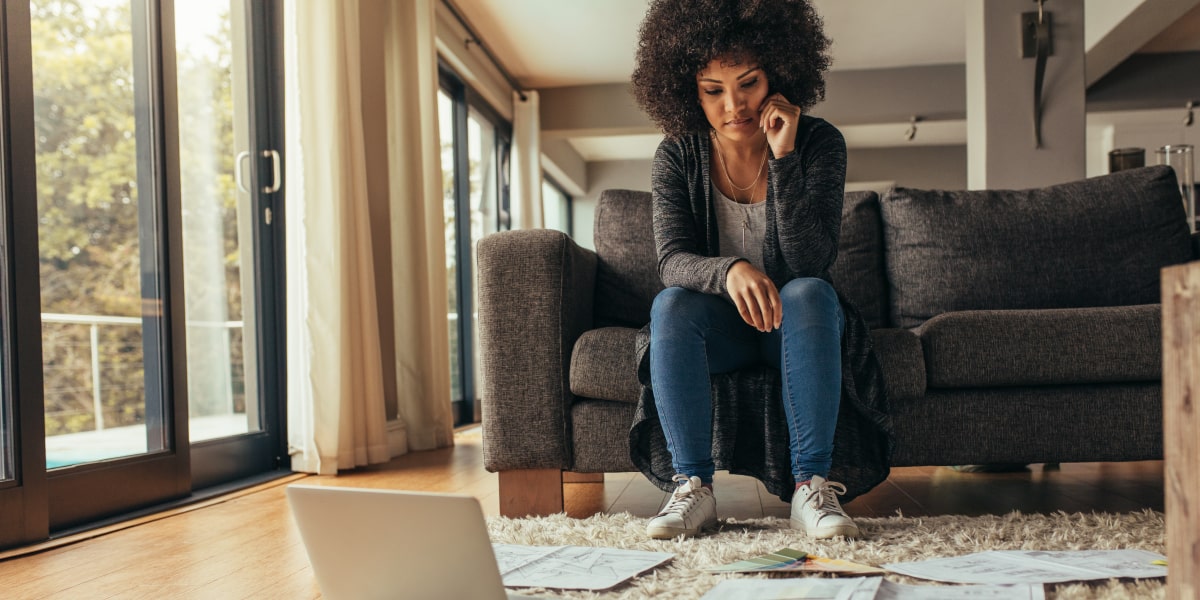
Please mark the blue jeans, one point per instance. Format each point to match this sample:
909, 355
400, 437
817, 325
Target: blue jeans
693, 335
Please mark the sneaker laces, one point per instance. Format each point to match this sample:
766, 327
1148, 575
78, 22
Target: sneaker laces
681, 501
826, 496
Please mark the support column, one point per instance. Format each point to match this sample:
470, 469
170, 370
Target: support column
1001, 150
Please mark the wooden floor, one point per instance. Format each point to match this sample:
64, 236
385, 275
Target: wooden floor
246, 546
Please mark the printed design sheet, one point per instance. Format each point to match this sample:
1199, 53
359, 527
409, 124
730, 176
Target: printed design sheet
572, 567
1017, 566
870, 588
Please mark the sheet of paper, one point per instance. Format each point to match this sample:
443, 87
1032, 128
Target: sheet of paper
515, 556
868, 588
898, 591
1111, 563
790, 559
789, 589
1013, 566
572, 567
981, 567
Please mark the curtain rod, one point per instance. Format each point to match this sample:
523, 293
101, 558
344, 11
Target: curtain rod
478, 41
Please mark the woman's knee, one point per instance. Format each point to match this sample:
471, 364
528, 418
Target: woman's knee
673, 302
808, 293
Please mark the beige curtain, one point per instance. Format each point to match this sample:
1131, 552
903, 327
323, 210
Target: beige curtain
336, 414
526, 188
418, 226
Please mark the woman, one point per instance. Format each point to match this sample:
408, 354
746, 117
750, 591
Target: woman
747, 194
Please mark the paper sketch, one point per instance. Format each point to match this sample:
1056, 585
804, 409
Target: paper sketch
1014, 566
899, 591
572, 567
865, 589
784, 589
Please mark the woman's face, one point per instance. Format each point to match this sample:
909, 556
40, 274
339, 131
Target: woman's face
731, 92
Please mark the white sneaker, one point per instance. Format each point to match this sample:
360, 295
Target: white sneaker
690, 509
816, 511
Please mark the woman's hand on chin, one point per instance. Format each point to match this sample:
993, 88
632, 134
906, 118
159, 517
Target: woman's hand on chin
779, 119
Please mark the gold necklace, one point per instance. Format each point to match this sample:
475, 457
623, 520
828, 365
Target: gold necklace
749, 200
725, 167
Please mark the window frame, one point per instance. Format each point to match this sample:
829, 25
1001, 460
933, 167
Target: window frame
25, 495
570, 204
464, 100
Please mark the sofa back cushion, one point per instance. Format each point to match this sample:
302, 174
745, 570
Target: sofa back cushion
627, 262
858, 273
1096, 242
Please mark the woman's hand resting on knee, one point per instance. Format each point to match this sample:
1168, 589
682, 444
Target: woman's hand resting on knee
755, 296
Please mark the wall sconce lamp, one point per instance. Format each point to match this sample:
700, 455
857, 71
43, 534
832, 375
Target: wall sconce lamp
1037, 42
1187, 119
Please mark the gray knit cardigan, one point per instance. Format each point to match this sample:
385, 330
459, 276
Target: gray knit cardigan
804, 203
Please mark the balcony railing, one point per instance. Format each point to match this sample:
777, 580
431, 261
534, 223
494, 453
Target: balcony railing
94, 322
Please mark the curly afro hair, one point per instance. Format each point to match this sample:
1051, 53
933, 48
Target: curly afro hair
678, 38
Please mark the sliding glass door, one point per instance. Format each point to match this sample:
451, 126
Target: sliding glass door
145, 216
218, 257
230, 179
101, 239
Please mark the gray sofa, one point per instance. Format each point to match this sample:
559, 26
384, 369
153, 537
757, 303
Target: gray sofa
1011, 327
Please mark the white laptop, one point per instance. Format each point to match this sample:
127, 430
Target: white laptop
369, 543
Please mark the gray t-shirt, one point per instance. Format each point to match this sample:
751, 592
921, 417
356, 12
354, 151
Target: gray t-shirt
737, 220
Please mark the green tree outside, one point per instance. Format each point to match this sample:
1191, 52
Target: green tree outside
88, 199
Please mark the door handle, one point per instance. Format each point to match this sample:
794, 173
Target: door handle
275, 172
237, 170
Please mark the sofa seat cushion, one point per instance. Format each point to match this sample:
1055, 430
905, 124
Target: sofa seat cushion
603, 365
987, 348
1097, 242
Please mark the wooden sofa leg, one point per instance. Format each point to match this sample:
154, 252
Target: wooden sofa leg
531, 492
573, 477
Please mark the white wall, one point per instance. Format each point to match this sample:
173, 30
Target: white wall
1001, 150
923, 167
1147, 129
606, 175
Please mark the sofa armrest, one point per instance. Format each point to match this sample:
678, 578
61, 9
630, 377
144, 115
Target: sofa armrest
536, 291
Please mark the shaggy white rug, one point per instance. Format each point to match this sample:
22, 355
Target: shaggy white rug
885, 540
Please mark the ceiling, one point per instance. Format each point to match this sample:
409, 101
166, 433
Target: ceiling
542, 44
